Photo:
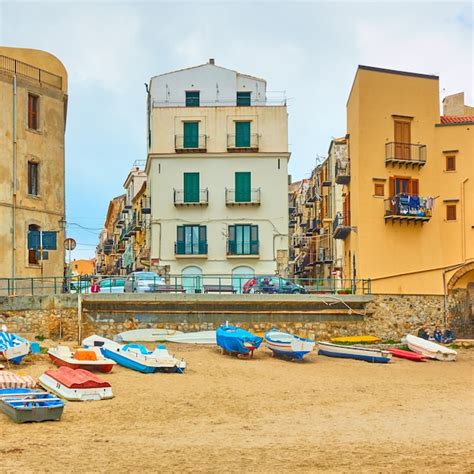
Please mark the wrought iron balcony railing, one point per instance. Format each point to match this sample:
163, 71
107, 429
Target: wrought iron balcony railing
233, 198
341, 226
184, 144
405, 154
183, 197
342, 172
190, 248
408, 207
243, 143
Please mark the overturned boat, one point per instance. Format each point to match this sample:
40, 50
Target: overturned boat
237, 341
430, 349
13, 347
353, 352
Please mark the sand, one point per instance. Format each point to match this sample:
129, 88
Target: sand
262, 415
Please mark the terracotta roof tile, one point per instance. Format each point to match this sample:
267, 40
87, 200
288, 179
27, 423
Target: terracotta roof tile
450, 119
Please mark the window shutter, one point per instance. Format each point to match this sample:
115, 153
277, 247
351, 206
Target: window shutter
191, 187
391, 186
254, 244
202, 239
33, 239
242, 134
191, 135
243, 99
242, 186
232, 243
414, 187
180, 240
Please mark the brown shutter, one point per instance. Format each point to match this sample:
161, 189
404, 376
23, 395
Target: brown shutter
391, 187
413, 187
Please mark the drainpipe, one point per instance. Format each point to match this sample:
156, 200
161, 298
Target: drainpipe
14, 179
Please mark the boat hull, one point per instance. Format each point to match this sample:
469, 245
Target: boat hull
104, 368
352, 352
413, 356
235, 340
431, 349
146, 335
288, 345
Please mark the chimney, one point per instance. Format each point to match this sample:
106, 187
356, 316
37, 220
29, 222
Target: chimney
211, 60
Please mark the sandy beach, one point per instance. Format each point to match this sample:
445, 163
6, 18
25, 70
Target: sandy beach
262, 415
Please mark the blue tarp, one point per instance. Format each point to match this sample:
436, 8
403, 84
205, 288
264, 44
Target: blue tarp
232, 339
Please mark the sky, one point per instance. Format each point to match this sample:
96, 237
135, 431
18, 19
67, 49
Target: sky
310, 50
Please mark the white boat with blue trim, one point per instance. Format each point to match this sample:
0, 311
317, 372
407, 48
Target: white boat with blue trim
13, 347
353, 352
430, 349
283, 344
136, 356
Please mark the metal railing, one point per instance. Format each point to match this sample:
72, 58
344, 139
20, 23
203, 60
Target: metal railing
251, 198
185, 248
27, 70
405, 152
408, 205
182, 145
234, 142
342, 172
182, 198
210, 283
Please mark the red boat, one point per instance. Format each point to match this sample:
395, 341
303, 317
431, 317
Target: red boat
400, 353
88, 359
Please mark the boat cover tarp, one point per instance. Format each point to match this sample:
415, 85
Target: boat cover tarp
233, 339
77, 378
8, 339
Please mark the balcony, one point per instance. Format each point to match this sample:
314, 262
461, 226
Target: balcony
408, 208
320, 256
341, 227
190, 248
242, 199
315, 226
342, 172
191, 145
243, 249
243, 144
311, 196
146, 205
299, 241
182, 197
292, 219
405, 154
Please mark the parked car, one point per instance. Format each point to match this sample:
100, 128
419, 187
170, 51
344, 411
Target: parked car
272, 284
112, 285
142, 282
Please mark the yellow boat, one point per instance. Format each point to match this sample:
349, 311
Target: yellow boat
355, 339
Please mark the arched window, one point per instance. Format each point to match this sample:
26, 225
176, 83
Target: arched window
192, 279
240, 275
32, 253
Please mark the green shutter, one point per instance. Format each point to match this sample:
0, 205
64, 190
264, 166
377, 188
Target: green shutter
191, 187
191, 135
243, 99
202, 239
242, 134
242, 186
180, 240
232, 250
192, 98
254, 244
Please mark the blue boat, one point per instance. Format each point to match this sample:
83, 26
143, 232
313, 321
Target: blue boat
286, 345
234, 340
24, 405
13, 347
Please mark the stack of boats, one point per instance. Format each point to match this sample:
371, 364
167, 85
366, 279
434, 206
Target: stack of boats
13, 348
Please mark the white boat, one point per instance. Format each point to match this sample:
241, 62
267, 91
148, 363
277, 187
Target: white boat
13, 347
430, 349
199, 337
146, 335
76, 385
288, 345
137, 356
354, 352
89, 359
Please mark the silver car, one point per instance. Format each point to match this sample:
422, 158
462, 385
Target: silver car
142, 282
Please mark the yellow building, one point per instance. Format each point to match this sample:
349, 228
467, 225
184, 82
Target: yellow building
33, 105
408, 211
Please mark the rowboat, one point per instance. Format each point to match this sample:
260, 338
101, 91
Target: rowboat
430, 349
25, 405
11, 380
237, 341
199, 337
76, 385
356, 339
407, 355
288, 345
13, 347
88, 359
146, 335
136, 356
354, 352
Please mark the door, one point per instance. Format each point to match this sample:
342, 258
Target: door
242, 134
402, 140
191, 135
240, 276
191, 187
242, 186
192, 279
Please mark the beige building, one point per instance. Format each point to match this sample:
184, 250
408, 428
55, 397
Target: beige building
217, 174
33, 106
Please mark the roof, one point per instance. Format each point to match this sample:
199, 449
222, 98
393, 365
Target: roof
208, 64
395, 71
456, 119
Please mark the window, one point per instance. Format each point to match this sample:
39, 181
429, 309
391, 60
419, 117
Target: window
33, 112
243, 240
403, 186
191, 135
191, 240
450, 163
242, 134
379, 189
192, 98
191, 187
33, 188
243, 99
451, 212
34, 240
242, 186
402, 135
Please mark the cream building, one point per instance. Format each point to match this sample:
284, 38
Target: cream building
217, 174
33, 106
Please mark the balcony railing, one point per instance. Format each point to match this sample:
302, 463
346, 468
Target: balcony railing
183, 145
320, 256
185, 198
190, 248
341, 227
242, 144
146, 205
242, 199
405, 154
27, 70
408, 207
243, 248
342, 172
